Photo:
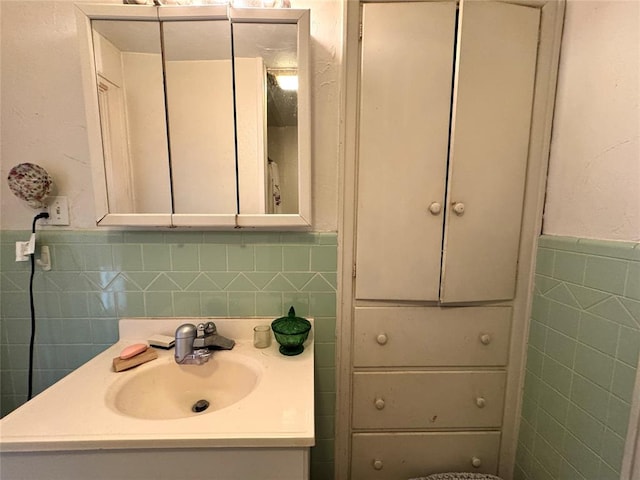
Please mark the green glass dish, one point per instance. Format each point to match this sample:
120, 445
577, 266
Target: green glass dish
291, 333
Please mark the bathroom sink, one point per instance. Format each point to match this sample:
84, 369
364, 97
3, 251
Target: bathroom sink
149, 408
164, 390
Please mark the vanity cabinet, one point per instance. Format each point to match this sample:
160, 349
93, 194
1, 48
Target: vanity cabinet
449, 107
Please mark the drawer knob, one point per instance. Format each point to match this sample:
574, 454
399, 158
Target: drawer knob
458, 208
382, 339
377, 464
485, 339
435, 208
480, 402
379, 403
476, 462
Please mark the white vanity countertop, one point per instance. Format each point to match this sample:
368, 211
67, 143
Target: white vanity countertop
73, 414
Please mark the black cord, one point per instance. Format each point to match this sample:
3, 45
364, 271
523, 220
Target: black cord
32, 307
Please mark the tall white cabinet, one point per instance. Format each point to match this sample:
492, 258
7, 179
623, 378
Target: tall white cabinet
447, 116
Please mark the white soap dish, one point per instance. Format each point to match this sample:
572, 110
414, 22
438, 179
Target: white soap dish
162, 341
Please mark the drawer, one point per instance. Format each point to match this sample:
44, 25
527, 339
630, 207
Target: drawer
425, 400
431, 336
399, 456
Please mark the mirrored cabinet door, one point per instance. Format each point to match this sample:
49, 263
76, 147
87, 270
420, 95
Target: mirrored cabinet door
265, 57
272, 112
199, 89
129, 82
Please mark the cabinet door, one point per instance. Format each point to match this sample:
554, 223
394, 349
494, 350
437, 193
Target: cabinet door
493, 95
405, 101
199, 93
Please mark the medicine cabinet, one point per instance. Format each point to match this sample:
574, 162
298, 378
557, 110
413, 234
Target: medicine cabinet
190, 120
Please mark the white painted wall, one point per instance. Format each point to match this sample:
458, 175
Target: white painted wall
594, 173
42, 107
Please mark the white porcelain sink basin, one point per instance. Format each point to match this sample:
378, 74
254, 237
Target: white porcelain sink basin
164, 390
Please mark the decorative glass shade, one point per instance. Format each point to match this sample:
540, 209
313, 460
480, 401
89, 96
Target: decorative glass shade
31, 183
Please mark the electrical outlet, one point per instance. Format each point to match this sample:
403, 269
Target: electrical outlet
58, 210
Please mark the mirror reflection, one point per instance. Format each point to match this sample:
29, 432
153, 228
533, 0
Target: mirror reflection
128, 64
266, 58
199, 79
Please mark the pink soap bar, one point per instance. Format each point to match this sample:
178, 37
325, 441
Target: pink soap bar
133, 350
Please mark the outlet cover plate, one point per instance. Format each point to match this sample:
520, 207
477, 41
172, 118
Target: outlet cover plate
58, 209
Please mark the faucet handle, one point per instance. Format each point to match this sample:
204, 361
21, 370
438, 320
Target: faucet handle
201, 330
208, 328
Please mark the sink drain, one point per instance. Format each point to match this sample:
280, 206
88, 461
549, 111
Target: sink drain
200, 406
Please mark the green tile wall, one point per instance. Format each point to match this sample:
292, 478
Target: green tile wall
99, 277
582, 357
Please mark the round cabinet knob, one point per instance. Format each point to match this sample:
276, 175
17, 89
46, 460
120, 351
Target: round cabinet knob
379, 403
476, 462
435, 208
377, 465
382, 339
458, 208
485, 339
480, 402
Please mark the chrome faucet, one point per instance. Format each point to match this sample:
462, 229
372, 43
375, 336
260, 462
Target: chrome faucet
194, 344
185, 353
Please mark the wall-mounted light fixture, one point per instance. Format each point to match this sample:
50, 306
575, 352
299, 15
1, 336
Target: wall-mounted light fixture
31, 183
